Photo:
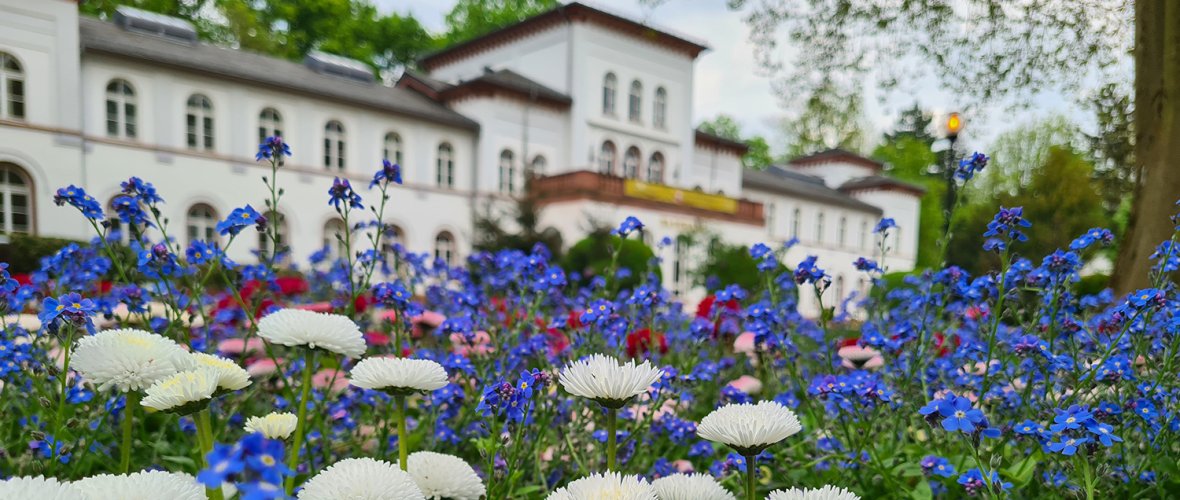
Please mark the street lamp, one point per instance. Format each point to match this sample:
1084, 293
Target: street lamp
954, 125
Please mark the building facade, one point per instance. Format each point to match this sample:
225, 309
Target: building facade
594, 107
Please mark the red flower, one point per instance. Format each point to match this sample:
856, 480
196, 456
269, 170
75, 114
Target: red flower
942, 344
640, 341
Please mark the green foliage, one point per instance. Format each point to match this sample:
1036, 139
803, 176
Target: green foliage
592, 257
471, 18
1113, 146
1019, 152
1060, 200
909, 158
23, 252
758, 157
730, 265
830, 117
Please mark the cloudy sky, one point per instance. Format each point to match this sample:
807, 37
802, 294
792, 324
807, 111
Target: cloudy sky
728, 80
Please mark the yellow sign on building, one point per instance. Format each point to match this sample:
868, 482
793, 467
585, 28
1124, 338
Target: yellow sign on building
666, 194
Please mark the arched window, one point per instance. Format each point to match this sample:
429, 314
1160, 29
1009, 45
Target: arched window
445, 169
659, 111
843, 229
121, 109
607, 158
12, 88
444, 248
199, 122
334, 232
16, 200
795, 218
201, 223
655, 169
507, 172
334, 145
394, 237
279, 221
631, 163
538, 165
635, 102
270, 124
393, 148
609, 84
819, 228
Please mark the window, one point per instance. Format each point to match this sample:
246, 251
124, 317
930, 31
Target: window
631, 163
334, 232
659, 111
279, 222
334, 145
201, 223
635, 102
538, 166
115, 224
655, 169
607, 158
16, 200
507, 172
679, 274
819, 228
444, 248
445, 170
864, 235
843, 229
120, 109
609, 84
393, 148
199, 122
12, 88
270, 124
795, 218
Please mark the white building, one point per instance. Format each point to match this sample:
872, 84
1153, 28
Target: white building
598, 106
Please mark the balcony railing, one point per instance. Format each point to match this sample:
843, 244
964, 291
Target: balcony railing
587, 185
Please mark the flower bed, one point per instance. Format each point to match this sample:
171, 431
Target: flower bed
174, 372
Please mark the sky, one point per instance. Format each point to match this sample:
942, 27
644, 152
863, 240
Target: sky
728, 79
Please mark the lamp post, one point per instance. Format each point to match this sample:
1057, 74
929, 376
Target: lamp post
954, 124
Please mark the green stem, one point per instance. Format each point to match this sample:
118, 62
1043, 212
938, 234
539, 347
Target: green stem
612, 423
61, 400
205, 439
751, 489
128, 417
403, 444
297, 443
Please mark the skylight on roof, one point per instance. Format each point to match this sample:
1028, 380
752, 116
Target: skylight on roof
152, 23
332, 64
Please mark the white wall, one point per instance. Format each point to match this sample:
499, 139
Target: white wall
905, 209
503, 127
542, 56
834, 173
43, 35
714, 171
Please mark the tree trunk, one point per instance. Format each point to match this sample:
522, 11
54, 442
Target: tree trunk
1157, 140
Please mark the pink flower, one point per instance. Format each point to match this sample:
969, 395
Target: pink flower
240, 346
683, 466
320, 307
747, 384
429, 318
479, 345
859, 357
744, 343
337, 380
262, 367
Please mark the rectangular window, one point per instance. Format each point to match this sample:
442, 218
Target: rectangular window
16, 100
129, 119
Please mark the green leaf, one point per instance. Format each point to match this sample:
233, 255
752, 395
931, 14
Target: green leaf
180, 460
1022, 472
922, 491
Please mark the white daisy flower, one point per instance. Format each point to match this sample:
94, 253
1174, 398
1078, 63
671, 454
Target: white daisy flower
361, 479
146, 485
398, 375
230, 376
604, 379
41, 488
297, 327
749, 428
183, 393
442, 476
610, 485
273, 425
690, 487
826, 493
127, 359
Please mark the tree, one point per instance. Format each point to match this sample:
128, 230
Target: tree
727, 264
1113, 148
758, 155
914, 123
471, 18
988, 50
830, 118
1018, 153
908, 157
491, 235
